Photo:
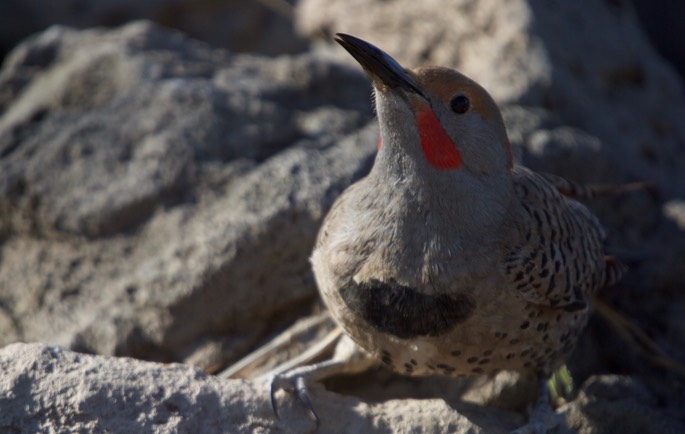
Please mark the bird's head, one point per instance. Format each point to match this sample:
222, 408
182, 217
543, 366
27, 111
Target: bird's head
435, 118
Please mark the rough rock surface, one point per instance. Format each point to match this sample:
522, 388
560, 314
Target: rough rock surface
159, 199
49, 389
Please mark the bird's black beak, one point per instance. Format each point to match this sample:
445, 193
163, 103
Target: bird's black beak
382, 68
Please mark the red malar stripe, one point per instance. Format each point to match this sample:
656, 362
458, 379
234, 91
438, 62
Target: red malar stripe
438, 148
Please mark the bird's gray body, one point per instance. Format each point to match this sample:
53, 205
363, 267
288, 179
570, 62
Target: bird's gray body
436, 278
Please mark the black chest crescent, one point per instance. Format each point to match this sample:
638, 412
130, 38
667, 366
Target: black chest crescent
403, 311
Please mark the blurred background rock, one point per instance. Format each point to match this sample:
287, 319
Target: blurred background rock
260, 26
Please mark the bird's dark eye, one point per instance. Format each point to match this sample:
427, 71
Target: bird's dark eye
460, 104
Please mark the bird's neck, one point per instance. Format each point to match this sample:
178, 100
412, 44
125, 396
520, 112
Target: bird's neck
459, 206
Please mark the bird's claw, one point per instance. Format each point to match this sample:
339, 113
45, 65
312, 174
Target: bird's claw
292, 384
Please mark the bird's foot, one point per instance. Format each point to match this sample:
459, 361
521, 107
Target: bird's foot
293, 382
347, 359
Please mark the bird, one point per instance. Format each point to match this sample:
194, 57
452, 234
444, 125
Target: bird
449, 258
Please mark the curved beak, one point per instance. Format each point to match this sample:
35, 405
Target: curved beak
383, 69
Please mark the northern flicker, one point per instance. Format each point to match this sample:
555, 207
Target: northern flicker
449, 259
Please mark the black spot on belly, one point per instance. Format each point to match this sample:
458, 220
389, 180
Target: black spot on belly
444, 367
403, 311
